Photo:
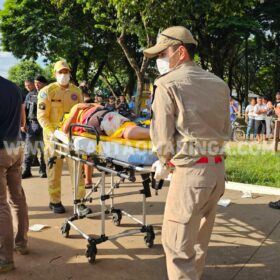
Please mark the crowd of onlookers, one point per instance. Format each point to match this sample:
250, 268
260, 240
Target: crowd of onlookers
260, 115
118, 104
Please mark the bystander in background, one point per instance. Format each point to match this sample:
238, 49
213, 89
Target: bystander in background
260, 111
250, 119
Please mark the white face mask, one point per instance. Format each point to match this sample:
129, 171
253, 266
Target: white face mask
63, 79
163, 64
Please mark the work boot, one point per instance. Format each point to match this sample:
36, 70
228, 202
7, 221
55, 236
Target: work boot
21, 250
274, 204
35, 162
42, 172
57, 208
83, 210
6, 266
26, 174
43, 175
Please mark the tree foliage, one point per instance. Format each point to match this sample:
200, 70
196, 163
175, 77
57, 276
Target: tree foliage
24, 70
103, 39
31, 28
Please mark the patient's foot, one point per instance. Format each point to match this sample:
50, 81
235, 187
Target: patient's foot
88, 185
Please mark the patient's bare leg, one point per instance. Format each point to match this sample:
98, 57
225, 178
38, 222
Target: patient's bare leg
88, 174
136, 133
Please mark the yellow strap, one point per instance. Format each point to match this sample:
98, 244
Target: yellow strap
140, 144
119, 132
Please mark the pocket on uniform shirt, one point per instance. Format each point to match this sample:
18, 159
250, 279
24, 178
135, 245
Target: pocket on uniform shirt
56, 111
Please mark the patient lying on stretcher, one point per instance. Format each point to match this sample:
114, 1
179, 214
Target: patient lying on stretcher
106, 122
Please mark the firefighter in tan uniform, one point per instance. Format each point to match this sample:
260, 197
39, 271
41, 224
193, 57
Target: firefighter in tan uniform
54, 101
190, 123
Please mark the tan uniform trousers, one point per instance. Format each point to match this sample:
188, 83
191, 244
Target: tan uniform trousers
54, 174
13, 207
189, 217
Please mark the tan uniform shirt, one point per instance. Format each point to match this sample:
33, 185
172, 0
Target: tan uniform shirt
190, 114
53, 102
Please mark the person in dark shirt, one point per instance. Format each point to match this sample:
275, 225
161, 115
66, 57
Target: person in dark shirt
12, 118
122, 106
34, 133
40, 82
110, 105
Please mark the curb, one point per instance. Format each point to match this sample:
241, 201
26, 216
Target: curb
252, 188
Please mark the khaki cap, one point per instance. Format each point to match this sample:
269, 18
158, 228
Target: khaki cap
169, 37
61, 64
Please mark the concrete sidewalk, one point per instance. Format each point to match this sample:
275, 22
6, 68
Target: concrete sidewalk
245, 243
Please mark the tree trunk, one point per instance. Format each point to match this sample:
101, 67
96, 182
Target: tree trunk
218, 67
276, 73
246, 71
86, 69
129, 87
74, 70
115, 77
140, 71
104, 78
97, 74
140, 84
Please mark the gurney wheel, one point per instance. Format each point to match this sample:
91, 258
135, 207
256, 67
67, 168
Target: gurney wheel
116, 218
91, 253
65, 230
149, 237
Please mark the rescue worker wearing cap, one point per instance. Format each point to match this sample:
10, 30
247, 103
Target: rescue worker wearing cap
54, 101
190, 122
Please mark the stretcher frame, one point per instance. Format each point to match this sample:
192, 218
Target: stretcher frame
116, 168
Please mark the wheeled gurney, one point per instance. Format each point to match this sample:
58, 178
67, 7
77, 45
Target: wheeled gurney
119, 158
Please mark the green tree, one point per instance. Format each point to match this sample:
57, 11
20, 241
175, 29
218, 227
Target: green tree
24, 70
134, 25
267, 14
104, 39
31, 28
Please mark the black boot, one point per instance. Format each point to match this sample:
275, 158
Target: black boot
35, 162
26, 174
57, 208
43, 173
274, 204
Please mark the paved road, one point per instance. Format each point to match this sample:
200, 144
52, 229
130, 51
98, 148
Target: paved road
245, 243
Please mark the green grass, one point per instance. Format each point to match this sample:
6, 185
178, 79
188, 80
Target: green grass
252, 164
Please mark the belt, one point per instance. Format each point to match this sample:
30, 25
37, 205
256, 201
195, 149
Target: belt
99, 118
217, 159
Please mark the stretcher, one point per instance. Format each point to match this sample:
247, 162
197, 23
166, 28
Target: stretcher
120, 159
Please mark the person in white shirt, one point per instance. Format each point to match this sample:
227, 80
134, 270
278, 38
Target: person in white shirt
260, 111
250, 119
